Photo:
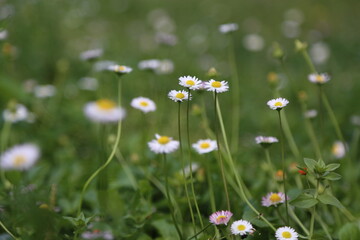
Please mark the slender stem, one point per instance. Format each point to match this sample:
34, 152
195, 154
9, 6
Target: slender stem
219, 153
280, 215
284, 166
271, 167
298, 221
183, 169
202, 230
321, 117
5, 133
323, 225
308, 61
313, 212
168, 198
190, 160
7, 230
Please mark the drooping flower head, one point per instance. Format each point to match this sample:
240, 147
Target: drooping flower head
266, 142
104, 111
273, 199
179, 96
319, 78
190, 82
217, 86
119, 69
20, 157
242, 227
277, 103
286, 233
143, 104
220, 217
163, 144
204, 146
228, 27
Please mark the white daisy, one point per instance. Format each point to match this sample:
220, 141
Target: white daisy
166, 66
150, 64
205, 146
241, 227
338, 150
286, 233
273, 199
44, 91
178, 96
103, 65
163, 144
228, 27
312, 113
190, 82
217, 86
104, 110
15, 114
20, 157
320, 78
91, 54
119, 69
143, 104
220, 217
266, 141
277, 104
3, 34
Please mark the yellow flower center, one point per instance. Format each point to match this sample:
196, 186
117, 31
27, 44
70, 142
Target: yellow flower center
105, 104
204, 145
19, 160
144, 104
320, 78
190, 82
180, 95
241, 227
121, 68
216, 84
286, 235
278, 104
163, 140
221, 217
275, 197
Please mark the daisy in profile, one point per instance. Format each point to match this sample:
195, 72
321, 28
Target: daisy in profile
178, 96
15, 113
204, 146
217, 86
104, 111
266, 141
20, 157
143, 104
192, 83
338, 150
228, 27
273, 199
91, 54
163, 144
220, 217
241, 227
319, 78
277, 103
286, 233
119, 69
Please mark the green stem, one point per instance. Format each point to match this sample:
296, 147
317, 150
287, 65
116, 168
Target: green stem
168, 198
271, 167
183, 169
284, 166
308, 61
219, 153
321, 116
323, 225
7, 230
280, 215
190, 160
200, 231
5, 133
313, 212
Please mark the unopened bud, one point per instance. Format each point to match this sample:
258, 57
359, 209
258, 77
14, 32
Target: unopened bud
277, 51
300, 46
212, 73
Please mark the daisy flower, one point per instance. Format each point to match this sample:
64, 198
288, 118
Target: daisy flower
178, 96
338, 150
266, 141
91, 54
150, 64
273, 199
104, 110
190, 82
320, 78
205, 146
15, 114
220, 217
217, 86
143, 104
312, 113
228, 27
241, 227
44, 91
163, 144
286, 233
20, 157
277, 104
119, 69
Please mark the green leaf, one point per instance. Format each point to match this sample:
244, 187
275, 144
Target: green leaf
329, 199
332, 176
331, 167
304, 201
310, 163
349, 231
